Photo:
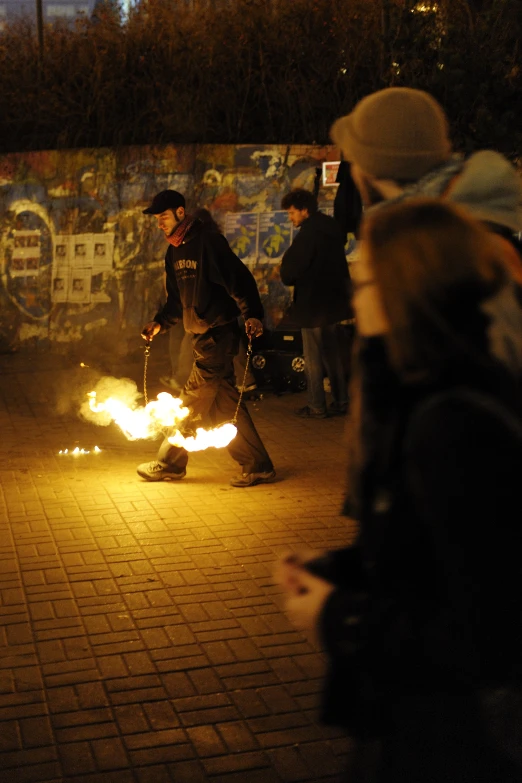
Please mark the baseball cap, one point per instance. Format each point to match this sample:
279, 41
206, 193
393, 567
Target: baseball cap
166, 199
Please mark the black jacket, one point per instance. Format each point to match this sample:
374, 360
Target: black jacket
348, 208
429, 599
207, 284
316, 266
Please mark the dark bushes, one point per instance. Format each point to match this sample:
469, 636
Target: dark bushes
258, 71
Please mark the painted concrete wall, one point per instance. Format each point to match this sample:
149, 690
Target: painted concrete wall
82, 266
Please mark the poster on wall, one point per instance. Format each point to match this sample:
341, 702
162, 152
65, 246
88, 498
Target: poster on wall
61, 268
80, 286
82, 250
103, 245
330, 169
26, 254
241, 230
101, 266
81, 267
62, 249
275, 235
60, 285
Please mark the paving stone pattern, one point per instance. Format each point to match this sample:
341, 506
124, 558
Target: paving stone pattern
141, 636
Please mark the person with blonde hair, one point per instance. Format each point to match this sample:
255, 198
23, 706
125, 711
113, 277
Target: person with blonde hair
422, 618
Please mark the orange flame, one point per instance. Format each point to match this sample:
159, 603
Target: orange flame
218, 437
139, 423
145, 422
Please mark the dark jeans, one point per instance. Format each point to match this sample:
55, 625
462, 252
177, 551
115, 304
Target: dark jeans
211, 395
322, 348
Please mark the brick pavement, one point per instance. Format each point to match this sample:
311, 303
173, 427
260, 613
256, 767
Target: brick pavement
141, 637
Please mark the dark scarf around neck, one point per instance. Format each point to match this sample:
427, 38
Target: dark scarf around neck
180, 232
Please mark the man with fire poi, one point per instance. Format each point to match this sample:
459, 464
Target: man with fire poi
209, 287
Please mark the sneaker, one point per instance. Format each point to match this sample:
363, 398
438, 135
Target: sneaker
310, 413
160, 471
250, 479
334, 409
170, 383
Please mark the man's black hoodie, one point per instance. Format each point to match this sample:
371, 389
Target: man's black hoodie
207, 284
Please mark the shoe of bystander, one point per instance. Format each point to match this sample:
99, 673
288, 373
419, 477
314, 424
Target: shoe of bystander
310, 413
334, 409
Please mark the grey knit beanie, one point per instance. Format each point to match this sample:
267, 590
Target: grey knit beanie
397, 133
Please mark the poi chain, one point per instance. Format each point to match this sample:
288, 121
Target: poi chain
249, 356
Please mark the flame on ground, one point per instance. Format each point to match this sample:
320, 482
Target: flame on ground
76, 451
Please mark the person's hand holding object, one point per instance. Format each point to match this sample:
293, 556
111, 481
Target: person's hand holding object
305, 594
150, 330
253, 327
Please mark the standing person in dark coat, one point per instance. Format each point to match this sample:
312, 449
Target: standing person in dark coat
347, 203
208, 287
315, 264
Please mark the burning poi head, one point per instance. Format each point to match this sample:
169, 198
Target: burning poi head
117, 401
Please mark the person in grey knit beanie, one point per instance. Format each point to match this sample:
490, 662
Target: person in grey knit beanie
395, 134
398, 146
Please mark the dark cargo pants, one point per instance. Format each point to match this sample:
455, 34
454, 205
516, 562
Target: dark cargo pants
211, 395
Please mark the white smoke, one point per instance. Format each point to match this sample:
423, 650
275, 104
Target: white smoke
123, 389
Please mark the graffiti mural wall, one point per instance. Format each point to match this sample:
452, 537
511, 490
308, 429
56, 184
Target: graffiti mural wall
79, 261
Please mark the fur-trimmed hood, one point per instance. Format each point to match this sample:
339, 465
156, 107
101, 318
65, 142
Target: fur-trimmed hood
486, 184
491, 189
